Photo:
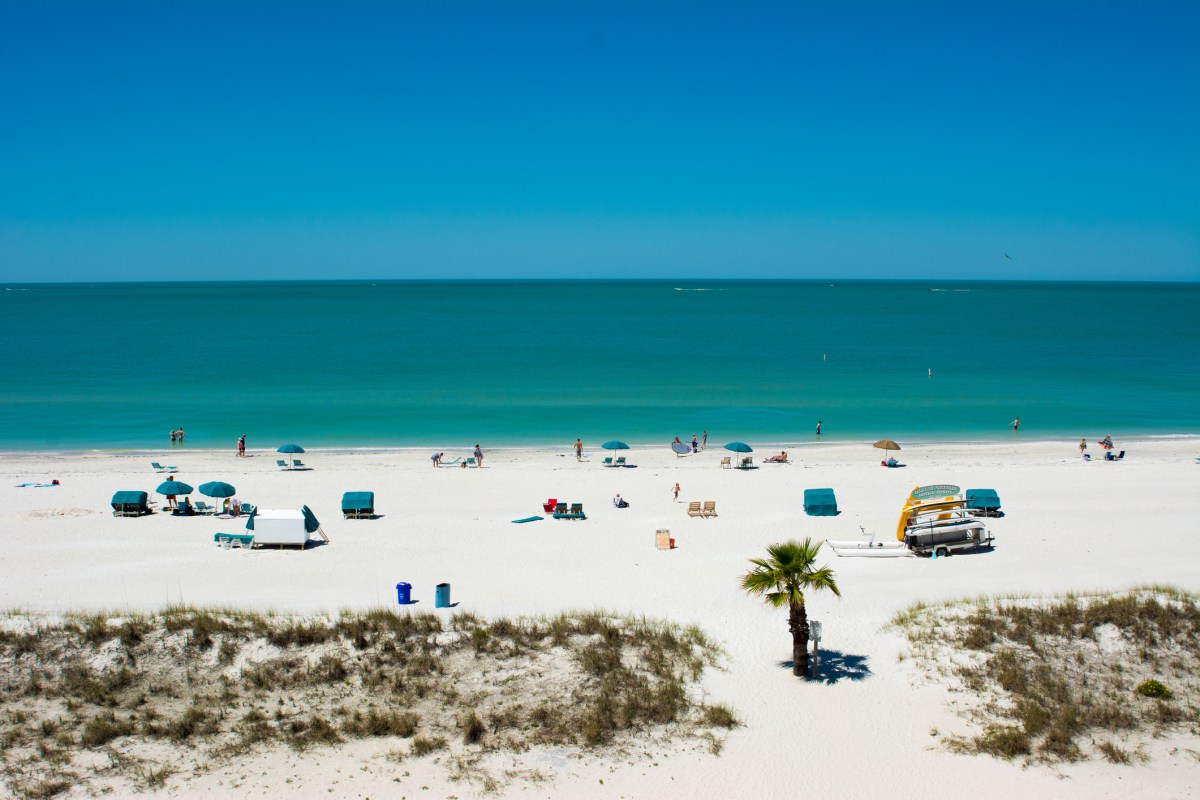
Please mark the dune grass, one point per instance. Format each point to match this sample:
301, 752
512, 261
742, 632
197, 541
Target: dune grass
209, 683
1067, 678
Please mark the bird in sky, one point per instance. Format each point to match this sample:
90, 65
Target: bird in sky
1006, 255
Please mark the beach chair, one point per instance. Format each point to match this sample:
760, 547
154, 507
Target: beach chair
747, 463
577, 510
549, 505
727, 462
1117, 457
607, 462
449, 463
663, 540
710, 508
694, 509
298, 465
231, 540
560, 509
160, 468
471, 461
203, 507
281, 464
620, 462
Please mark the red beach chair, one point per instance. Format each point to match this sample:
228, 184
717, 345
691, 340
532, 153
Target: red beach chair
549, 505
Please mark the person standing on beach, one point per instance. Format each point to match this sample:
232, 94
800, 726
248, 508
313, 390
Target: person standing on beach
242, 446
1016, 423
436, 458
695, 445
478, 456
818, 427
579, 450
704, 441
1082, 446
676, 491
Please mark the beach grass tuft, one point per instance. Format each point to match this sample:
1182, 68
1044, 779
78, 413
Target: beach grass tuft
1049, 678
187, 689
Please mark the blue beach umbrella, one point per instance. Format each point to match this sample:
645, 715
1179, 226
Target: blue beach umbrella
291, 449
615, 445
173, 487
217, 489
739, 447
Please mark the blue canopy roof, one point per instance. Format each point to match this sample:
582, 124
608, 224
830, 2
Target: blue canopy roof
129, 498
358, 501
820, 503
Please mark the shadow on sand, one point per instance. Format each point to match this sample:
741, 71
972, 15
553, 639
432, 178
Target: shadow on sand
837, 666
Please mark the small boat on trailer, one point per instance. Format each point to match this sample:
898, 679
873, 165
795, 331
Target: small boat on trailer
868, 547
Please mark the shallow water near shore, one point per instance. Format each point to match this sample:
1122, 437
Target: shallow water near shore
392, 364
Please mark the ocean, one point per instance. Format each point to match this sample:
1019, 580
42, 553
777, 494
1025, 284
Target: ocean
353, 364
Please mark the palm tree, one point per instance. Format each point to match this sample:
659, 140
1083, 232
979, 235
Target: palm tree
781, 579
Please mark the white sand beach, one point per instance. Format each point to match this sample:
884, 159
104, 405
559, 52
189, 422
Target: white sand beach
864, 732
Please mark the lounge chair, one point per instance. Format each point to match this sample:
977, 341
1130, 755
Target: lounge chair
820, 503
710, 508
298, 465
549, 505
358, 505
160, 468
620, 462
203, 507
129, 504
449, 463
229, 540
663, 540
576, 512
694, 509
747, 463
282, 464
727, 462
1117, 457
560, 508
607, 462
471, 461
577, 509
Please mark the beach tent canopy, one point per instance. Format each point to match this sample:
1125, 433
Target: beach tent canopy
130, 504
217, 489
984, 499
290, 448
173, 487
615, 445
739, 447
820, 503
358, 502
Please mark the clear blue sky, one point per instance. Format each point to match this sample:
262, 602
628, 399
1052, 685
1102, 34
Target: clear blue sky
162, 140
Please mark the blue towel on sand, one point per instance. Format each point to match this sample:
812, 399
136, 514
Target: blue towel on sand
36, 485
528, 519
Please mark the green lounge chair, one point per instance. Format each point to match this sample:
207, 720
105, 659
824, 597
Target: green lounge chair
620, 462
471, 461
203, 507
129, 504
279, 462
298, 465
228, 540
608, 462
160, 468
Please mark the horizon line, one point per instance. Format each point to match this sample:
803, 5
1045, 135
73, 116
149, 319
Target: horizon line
830, 280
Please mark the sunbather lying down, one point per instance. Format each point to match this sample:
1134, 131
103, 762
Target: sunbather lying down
779, 459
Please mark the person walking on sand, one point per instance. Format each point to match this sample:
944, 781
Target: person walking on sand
1082, 446
579, 450
704, 441
1016, 423
676, 491
478, 456
242, 446
818, 427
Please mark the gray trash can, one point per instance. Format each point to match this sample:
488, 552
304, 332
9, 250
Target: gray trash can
441, 596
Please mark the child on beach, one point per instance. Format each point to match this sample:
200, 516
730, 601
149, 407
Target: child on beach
676, 490
1082, 446
695, 445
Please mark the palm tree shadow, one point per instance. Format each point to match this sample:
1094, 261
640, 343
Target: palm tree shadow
837, 666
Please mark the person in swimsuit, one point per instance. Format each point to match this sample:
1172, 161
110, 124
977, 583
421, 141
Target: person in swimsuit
478, 456
579, 450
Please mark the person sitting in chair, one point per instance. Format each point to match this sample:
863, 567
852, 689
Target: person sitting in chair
619, 502
186, 509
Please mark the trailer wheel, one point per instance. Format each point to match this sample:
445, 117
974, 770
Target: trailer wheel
942, 552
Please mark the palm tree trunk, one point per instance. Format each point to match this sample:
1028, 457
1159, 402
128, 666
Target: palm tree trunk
798, 625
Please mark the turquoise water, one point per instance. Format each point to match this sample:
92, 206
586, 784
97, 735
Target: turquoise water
354, 364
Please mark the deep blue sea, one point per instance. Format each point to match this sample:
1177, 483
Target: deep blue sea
393, 364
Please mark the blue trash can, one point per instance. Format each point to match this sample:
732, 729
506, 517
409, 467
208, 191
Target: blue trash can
441, 596
404, 593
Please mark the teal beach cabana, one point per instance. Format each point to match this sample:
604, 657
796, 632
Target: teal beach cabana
820, 503
130, 504
358, 505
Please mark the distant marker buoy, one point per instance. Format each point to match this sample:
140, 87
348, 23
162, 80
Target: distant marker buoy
824, 357
931, 372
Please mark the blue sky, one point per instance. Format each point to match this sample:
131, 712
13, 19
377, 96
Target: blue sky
152, 140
